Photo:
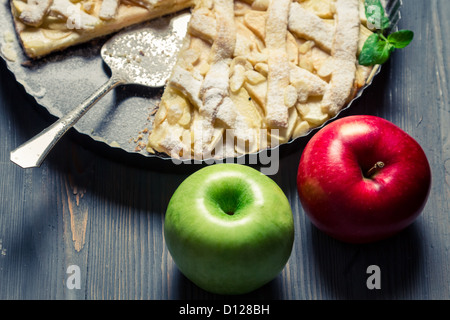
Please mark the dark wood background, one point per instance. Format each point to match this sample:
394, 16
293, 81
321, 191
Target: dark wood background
103, 210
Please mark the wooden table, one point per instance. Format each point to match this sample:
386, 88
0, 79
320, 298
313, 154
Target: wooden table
101, 211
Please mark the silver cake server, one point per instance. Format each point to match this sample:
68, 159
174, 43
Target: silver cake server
135, 56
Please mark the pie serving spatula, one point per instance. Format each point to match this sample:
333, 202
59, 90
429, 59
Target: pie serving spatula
137, 56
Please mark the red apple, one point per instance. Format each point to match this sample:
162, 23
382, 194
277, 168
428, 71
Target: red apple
362, 179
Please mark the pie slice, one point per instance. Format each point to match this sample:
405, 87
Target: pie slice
45, 26
256, 73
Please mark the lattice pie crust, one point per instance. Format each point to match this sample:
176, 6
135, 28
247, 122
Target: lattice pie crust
251, 74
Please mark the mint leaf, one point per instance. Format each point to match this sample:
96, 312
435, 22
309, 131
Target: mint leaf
367, 55
376, 18
378, 48
382, 52
401, 39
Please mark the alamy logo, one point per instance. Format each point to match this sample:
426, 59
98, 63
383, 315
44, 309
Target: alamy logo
74, 278
374, 280
225, 147
374, 19
73, 18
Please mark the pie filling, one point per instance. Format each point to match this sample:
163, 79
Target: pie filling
252, 74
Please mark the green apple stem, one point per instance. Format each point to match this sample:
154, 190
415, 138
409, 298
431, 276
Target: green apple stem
375, 168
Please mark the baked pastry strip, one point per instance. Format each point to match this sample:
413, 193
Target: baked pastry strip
344, 53
278, 63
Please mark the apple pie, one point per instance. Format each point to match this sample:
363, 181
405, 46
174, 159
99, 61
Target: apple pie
251, 74
254, 74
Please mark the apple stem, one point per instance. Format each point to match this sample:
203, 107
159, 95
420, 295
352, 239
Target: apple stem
375, 168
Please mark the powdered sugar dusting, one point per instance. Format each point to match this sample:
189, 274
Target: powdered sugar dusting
143, 56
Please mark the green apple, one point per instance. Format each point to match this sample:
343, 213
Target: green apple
229, 229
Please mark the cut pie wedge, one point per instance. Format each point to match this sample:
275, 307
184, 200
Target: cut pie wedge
45, 26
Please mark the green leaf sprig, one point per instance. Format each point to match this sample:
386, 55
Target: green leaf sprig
378, 47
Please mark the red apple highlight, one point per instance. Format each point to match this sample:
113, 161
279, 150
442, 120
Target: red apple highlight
362, 179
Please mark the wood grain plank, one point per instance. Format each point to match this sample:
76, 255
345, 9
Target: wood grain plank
81, 208
441, 172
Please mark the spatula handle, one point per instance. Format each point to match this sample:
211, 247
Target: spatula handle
33, 152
